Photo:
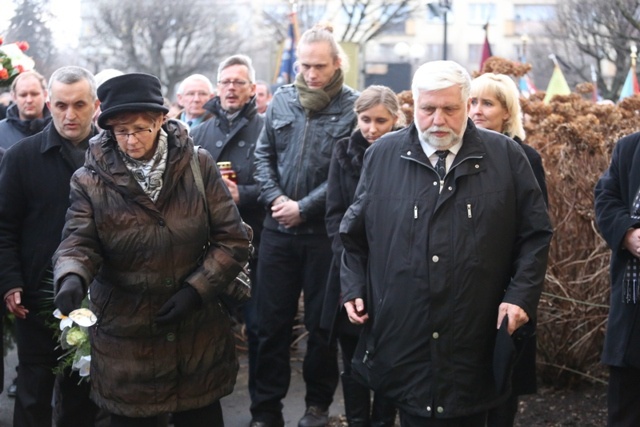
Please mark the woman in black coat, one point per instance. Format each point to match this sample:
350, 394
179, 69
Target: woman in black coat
495, 105
378, 113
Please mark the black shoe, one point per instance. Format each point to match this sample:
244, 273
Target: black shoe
12, 389
259, 423
314, 416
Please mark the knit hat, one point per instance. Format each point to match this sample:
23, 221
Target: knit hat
130, 92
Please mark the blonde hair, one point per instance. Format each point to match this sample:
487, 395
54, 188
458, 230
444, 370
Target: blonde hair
323, 32
505, 91
379, 95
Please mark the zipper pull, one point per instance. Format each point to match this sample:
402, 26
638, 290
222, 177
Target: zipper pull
469, 210
415, 211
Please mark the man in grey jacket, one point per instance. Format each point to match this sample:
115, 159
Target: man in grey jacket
293, 154
445, 252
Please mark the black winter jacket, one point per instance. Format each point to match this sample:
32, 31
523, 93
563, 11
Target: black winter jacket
235, 142
13, 129
294, 153
434, 267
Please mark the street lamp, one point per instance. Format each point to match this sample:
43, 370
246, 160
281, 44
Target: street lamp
441, 8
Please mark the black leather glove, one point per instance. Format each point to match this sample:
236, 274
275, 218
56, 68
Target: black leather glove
70, 294
179, 306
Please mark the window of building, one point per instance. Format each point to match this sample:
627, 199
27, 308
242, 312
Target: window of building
481, 13
534, 12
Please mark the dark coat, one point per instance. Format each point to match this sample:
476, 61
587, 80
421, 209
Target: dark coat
294, 153
34, 197
344, 174
235, 142
13, 129
136, 254
614, 195
434, 267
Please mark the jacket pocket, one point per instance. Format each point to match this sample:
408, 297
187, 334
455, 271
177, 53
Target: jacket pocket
283, 129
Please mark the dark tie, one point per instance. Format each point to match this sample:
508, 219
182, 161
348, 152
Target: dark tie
441, 164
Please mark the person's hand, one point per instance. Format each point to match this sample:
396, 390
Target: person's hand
356, 311
233, 189
287, 213
631, 242
70, 294
517, 316
179, 306
13, 301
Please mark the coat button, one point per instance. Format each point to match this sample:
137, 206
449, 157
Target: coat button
171, 337
435, 335
161, 223
168, 283
218, 144
450, 188
477, 166
409, 153
435, 258
440, 409
241, 144
435, 183
429, 408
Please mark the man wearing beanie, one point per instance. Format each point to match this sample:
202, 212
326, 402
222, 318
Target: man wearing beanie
292, 166
34, 197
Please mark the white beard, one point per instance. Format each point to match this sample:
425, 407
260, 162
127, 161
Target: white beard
445, 142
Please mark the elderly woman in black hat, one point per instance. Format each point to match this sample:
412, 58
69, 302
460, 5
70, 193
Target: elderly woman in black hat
154, 237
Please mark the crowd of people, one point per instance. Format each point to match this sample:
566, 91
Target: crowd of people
418, 242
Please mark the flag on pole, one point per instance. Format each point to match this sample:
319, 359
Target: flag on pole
286, 71
630, 86
558, 84
486, 48
526, 86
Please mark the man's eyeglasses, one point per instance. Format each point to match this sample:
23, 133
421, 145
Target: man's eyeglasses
237, 83
138, 133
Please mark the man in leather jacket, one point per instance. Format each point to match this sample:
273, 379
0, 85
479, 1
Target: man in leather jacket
303, 122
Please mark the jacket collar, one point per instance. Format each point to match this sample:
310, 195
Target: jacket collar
27, 127
52, 139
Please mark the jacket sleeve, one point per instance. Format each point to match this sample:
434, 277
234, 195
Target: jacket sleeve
79, 252
13, 209
612, 207
355, 257
335, 206
266, 164
534, 232
229, 249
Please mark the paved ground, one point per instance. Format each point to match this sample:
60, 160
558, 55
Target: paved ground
235, 406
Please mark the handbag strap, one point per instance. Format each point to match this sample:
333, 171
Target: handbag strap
197, 176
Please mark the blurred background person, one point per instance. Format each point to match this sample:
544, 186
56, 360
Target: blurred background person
495, 105
156, 252
263, 96
193, 92
28, 114
378, 112
102, 77
230, 136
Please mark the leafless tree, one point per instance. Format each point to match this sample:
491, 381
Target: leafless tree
591, 32
162, 38
368, 18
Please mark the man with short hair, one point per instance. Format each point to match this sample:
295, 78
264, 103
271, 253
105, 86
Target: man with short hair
263, 96
230, 136
193, 93
445, 253
34, 197
28, 114
293, 154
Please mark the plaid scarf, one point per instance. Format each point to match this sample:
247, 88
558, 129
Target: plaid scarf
630, 293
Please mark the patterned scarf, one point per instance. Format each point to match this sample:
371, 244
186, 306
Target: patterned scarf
630, 292
149, 173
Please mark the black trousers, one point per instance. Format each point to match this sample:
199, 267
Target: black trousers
623, 397
208, 416
289, 264
476, 420
37, 359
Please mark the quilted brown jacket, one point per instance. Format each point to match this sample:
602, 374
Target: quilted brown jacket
136, 254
